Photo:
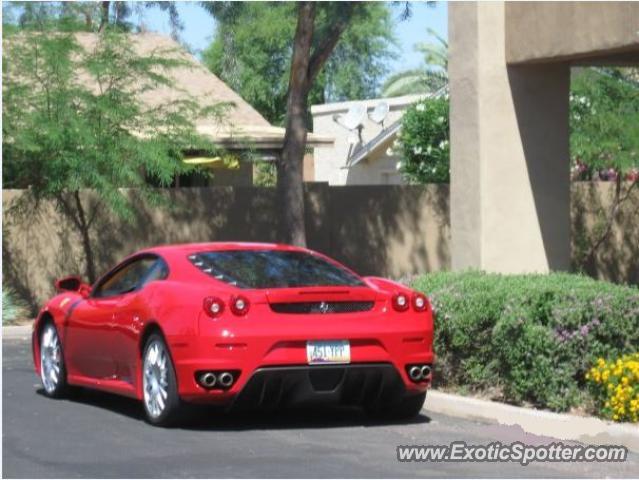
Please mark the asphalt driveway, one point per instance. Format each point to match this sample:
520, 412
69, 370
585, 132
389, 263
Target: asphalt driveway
100, 435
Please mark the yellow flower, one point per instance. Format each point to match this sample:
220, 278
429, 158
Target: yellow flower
618, 384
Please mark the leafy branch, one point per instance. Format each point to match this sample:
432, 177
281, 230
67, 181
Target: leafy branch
74, 119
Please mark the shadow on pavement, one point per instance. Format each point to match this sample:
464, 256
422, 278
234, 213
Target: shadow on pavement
198, 417
122, 405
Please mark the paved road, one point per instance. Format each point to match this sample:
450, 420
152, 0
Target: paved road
99, 435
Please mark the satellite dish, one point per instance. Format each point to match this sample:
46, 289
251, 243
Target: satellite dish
379, 113
354, 118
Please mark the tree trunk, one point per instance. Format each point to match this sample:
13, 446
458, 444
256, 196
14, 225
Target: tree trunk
104, 15
304, 70
617, 202
290, 179
83, 226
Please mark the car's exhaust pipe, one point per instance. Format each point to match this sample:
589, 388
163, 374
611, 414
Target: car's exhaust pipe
208, 379
415, 373
226, 379
425, 371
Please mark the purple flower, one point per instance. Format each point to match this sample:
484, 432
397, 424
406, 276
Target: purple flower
562, 335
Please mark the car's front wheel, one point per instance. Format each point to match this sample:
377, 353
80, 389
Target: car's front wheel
159, 383
53, 373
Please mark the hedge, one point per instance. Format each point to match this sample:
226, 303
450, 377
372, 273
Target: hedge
528, 339
13, 308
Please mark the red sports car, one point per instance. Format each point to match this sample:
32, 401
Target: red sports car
240, 325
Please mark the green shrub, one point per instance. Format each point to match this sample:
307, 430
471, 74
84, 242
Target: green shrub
528, 339
13, 308
423, 142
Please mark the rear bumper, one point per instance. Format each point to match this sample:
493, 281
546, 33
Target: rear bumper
259, 348
269, 374
354, 384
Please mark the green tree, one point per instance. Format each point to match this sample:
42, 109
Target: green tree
429, 78
73, 120
604, 122
604, 140
423, 142
318, 30
252, 50
83, 16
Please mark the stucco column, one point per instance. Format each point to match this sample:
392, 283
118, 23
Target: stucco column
510, 184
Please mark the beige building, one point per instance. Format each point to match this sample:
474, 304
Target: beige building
239, 129
509, 73
360, 155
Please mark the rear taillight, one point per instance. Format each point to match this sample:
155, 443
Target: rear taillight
400, 302
213, 306
239, 305
420, 303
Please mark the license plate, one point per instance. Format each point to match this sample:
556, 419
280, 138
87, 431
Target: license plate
333, 351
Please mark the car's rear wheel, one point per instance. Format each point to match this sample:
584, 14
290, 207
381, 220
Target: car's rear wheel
403, 409
159, 383
53, 373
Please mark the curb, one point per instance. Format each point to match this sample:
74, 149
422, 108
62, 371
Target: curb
588, 430
16, 331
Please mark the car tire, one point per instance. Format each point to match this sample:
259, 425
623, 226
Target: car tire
53, 372
404, 409
159, 384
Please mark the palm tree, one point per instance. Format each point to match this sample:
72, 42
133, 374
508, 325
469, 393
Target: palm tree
429, 78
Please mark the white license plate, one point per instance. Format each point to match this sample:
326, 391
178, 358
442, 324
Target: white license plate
328, 351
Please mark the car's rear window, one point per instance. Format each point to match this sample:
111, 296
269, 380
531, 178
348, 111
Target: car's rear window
272, 269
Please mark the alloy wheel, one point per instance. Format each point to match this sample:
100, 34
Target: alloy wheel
155, 380
50, 359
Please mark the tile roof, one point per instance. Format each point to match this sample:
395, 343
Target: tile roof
241, 124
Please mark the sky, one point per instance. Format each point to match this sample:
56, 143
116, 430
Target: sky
199, 28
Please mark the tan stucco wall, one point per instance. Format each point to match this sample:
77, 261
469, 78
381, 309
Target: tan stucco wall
463, 70
378, 169
391, 231
509, 73
618, 257
550, 31
378, 230
509, 151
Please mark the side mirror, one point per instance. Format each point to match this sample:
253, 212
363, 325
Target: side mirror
72, 283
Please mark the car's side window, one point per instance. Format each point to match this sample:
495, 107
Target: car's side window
158, 271
132, 276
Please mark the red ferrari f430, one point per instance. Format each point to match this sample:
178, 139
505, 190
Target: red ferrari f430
239, 325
